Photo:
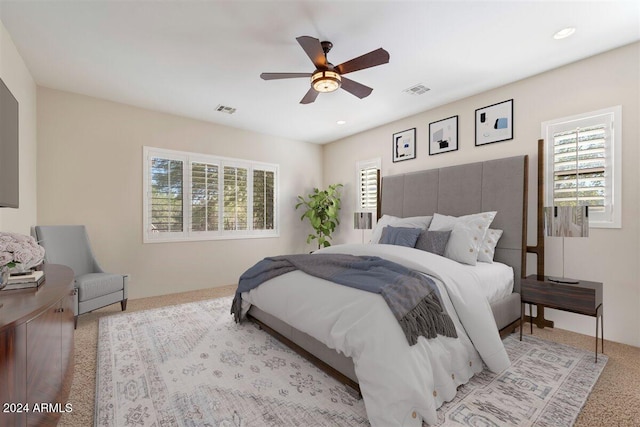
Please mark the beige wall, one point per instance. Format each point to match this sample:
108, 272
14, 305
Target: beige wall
90, 172
609, 255
16, 76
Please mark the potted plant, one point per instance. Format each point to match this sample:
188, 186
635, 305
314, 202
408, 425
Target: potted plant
322, 208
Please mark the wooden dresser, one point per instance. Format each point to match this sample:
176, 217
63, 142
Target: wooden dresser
36, 350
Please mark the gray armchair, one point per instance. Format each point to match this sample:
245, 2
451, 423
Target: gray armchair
69, 245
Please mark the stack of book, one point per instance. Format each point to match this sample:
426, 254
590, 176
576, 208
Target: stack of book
32, 279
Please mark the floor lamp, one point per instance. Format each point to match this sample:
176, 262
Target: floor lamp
566, 221
362, 221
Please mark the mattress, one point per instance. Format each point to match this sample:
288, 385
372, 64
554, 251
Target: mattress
496, 279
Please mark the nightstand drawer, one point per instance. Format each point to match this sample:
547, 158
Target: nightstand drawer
583, 297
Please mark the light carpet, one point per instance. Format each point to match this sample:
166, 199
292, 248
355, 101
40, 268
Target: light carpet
190, 365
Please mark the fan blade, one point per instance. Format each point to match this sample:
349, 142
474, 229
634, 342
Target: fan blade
311, 96
355, 88
313, 49
276, 76
368, 60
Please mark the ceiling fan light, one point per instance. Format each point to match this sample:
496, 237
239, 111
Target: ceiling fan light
325, 81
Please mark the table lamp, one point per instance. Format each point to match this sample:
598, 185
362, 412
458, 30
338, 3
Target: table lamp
362, 221
566, 221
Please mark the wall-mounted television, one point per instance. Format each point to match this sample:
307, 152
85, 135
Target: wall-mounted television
9, 171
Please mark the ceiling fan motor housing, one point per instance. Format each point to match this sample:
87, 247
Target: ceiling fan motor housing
326, 47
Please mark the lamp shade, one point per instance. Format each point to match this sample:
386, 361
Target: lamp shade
362, 220
566, 221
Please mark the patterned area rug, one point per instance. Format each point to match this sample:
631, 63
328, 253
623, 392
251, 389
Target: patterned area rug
547, 384
190, 365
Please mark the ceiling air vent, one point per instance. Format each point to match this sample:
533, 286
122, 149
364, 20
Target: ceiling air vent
224, 109
418, 89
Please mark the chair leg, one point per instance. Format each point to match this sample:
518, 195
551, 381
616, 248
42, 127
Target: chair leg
75, 322
123, 304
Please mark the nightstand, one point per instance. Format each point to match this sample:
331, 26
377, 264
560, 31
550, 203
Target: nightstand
583, 298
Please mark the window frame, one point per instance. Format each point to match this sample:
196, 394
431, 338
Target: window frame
188, 158
612, 217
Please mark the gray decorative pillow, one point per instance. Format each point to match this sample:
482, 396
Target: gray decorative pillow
433, 241
400, 236
410, 222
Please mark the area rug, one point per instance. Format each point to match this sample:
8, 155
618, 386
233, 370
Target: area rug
547, 384
191, 365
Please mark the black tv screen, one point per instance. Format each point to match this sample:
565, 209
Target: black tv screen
8, 148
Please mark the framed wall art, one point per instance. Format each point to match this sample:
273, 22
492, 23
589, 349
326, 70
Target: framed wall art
443, 135
494, 123
404, 145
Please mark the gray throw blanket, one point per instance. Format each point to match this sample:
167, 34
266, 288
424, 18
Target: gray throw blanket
412, 297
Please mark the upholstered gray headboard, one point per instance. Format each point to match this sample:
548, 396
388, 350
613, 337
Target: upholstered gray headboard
494, 185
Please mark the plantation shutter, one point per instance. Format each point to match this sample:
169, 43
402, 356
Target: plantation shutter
368, 184
263, 200
166, 195
235, 211
191, 196
204, 197
579, 165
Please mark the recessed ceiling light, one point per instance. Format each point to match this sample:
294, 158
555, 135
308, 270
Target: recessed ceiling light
341, 122
564, 33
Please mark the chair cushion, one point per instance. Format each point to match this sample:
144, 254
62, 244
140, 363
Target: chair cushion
94, 285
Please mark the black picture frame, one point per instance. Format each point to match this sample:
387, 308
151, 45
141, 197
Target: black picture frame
404, 145
443, 135
494, 123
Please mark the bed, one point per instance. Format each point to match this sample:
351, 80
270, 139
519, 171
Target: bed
340, 328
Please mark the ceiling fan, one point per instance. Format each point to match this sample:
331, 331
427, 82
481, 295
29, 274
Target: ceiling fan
327, 77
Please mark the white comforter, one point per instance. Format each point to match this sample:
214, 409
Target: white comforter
401, 385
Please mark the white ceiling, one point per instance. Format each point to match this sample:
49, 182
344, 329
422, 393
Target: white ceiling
187, 57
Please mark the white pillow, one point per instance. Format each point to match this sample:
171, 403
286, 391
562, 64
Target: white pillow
488, 248
467, 234
409, 222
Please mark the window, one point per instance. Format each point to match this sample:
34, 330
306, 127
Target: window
190, 196
583, 164
367, 178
